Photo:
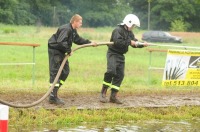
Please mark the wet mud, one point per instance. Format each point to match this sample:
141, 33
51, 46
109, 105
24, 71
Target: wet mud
90, 100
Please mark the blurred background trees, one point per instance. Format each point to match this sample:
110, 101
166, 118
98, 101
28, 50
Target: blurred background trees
176, 15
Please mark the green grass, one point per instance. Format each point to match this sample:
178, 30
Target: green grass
87, 66
31, 117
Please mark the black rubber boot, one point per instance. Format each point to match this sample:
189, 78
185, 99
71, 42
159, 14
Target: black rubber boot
103, 95
113, 97
53, 98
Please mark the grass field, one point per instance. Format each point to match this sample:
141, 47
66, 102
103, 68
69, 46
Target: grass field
87, 65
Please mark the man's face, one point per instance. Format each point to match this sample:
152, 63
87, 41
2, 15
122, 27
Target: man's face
78, 24
131, 28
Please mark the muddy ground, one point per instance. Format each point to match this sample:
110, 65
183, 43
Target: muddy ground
91, 100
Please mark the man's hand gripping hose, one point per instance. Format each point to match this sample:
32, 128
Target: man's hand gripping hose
56, 79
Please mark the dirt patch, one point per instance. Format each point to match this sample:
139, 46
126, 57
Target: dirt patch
186, 34
91, 100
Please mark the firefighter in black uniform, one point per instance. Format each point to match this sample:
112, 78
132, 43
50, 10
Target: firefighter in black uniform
60, 44
122, 36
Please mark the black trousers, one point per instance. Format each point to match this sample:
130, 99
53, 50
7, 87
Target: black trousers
115, 70
55, 59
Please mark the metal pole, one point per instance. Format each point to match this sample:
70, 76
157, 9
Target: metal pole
149, 6
54, 16
33, 70
149, 66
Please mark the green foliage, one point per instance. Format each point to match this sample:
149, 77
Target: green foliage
166, 12
101, 13
9, 30
163, 13
6, 11
23, 15
197, 1
178, 25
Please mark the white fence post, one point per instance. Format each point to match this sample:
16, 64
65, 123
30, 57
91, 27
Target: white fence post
4, 111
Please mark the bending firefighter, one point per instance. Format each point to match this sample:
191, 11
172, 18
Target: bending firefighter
60, 44
123, 37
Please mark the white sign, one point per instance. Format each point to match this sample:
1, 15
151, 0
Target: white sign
182, 68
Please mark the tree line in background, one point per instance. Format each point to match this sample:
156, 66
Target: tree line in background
177, 15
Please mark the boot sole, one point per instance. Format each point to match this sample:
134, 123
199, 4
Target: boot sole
57, 103
111, 101
104, 101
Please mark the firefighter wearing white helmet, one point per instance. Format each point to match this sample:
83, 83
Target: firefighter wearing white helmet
123, 37
131, 20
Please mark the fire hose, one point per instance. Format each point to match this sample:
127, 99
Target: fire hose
55, 80
63, 63
168, 45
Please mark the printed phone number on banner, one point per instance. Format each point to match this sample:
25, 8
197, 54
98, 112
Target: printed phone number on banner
181, 83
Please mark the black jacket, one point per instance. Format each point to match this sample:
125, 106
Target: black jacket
122, 39
63, 38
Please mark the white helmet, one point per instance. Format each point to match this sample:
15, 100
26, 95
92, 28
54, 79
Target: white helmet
131, 20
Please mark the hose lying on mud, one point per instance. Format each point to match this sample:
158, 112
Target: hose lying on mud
55, 80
